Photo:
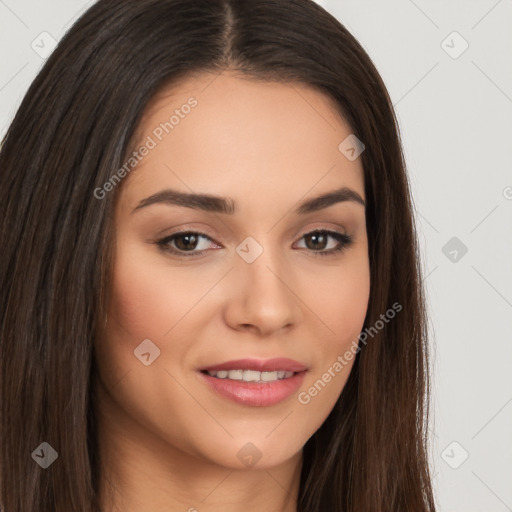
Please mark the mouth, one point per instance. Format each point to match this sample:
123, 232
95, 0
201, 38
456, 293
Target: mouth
253, 382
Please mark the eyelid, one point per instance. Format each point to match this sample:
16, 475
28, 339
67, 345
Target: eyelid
342, 238
190, 228
182, 230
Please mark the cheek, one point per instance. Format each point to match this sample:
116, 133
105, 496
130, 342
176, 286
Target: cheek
348, 322
151, 299
342, 306
349, 306
148, 297
142, 306
340, 300
140, 300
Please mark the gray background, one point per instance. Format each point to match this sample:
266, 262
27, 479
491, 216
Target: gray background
455, 112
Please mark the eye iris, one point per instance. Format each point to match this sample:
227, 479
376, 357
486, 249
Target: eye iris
316, 237
191, 239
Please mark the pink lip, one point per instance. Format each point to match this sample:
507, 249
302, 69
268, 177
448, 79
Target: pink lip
260, 365
256, 394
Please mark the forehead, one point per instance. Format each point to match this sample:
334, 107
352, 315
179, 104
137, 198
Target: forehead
230, 135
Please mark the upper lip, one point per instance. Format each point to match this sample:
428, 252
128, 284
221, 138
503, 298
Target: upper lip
261, 365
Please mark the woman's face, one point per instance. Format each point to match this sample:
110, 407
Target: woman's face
248, 280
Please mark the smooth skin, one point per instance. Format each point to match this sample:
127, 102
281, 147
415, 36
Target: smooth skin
167, 441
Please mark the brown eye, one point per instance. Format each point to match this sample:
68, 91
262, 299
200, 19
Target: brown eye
318, 240
184, 242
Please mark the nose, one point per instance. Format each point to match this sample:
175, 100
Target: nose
261, 297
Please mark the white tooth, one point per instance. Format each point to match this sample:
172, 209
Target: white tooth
236, 374
251, 375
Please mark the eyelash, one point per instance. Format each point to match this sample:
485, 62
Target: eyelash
344, 240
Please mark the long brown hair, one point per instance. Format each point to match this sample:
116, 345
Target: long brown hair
74, 129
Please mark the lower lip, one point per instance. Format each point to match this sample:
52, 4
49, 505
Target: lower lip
256, 394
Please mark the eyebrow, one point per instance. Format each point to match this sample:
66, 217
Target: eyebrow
225, 205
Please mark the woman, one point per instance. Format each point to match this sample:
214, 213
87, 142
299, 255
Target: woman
210, 286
